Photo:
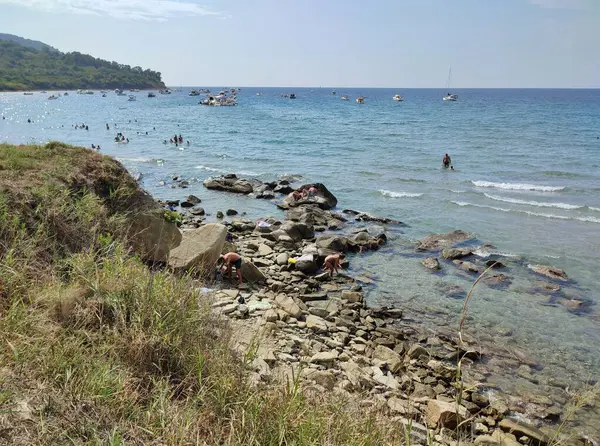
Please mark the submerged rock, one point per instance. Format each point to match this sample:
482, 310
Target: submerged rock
231, 183
549, 271
431, 263
437, 242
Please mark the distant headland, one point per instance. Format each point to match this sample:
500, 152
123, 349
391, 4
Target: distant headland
31, 65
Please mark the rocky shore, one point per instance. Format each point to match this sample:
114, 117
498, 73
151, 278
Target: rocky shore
296, 322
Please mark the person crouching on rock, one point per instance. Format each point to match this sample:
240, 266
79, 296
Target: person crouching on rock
229, 260
297, 195
332, 262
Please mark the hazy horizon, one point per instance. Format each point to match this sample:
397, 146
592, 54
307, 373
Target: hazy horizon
491, 44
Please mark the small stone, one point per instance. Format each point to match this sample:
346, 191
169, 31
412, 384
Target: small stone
352, 296
264, 250
282, 259
220, 215
231, 212
442, 414
271, 316
325, 358
431, 263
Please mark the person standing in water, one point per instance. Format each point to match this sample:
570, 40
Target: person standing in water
332, 263
446, 161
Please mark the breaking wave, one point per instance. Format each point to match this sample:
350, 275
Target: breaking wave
534, 203
536, 214
517, 186
392, 194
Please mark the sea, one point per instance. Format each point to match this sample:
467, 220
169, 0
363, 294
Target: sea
526, 183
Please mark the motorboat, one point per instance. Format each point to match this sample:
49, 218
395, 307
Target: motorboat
167, 91
103, 95
132, 98
450, 97
151, 95
360, 99
120, 92
89, 92
345, 98
194, 93
27, 93
220, 100
66, 94
133, 90
292, 95
259, 94
398, 98
52, 97
334, 92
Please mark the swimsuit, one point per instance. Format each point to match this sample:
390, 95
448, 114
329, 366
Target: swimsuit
237, 263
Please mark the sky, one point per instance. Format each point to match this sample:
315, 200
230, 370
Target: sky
343, 43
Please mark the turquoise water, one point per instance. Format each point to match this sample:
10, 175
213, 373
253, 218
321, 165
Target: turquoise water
527, 180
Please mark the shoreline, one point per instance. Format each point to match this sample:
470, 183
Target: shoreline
310, 319
38, 90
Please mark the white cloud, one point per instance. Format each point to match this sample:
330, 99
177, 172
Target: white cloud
154, 10
562, 4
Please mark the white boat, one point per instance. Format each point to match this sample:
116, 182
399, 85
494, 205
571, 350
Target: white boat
360, 99
132, 98
151, 95
194, 93
398, 98
259, 94
334, 92
345, 98
27, 93
89, 92
449, 97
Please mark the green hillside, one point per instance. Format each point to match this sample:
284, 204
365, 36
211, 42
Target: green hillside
35, 44
26, 68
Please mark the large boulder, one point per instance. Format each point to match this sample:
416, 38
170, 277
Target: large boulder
307, 264
550, 271
152, 237
333, 243
323, 198
250, 272
231, 183
298, 231
437, 242
199, 248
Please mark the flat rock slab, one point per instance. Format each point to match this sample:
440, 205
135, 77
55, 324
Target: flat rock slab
437, 242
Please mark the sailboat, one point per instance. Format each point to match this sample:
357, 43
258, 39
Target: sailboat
449, 96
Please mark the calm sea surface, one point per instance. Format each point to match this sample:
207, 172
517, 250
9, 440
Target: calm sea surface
527, 180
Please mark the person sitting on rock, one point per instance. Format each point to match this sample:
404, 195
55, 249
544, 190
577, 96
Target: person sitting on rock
227, 261
332, 262
297, 195
311, 192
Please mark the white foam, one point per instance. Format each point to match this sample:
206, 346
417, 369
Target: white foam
141, 160
536, 214
210, 169
517, 186
484, 253
392, 194
533, 203
594, 209
458, 191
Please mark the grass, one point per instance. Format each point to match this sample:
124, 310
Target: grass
98, 348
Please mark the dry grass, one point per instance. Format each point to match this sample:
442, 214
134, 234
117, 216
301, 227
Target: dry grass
97, 348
